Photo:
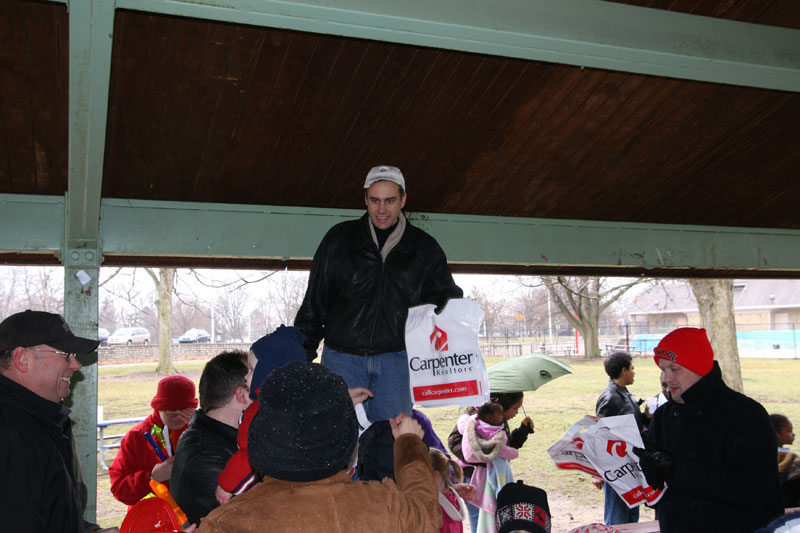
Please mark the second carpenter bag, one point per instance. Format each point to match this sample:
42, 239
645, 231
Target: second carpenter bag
445, 365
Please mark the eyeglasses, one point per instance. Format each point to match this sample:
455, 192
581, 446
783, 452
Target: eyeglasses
68, 357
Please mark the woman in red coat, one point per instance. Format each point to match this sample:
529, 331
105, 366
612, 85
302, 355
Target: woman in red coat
146, 451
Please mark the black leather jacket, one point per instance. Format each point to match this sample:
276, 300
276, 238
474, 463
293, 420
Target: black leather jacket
357, 302
200, 456
615, 401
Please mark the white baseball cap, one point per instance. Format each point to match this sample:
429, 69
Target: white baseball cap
385, 173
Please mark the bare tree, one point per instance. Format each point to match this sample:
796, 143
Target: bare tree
533, 303
230, 310
108, 315
164, 280
43, 288
582, 300
288, 290
493, 304
262, 318
188, 313
8, 292
715, 302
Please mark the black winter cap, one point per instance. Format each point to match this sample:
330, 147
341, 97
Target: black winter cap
306, 427
522, 507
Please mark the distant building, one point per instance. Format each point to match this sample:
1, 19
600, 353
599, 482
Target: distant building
758, 304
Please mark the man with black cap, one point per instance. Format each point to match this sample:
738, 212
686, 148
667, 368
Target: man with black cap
365, 275
713, 447
302, 441
42, 488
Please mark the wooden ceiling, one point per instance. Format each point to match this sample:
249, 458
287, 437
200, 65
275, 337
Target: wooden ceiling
204, 111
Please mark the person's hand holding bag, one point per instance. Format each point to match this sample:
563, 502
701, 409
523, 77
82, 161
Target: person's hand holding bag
657, 465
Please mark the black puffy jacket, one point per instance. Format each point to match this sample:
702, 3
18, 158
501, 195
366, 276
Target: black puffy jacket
200, 456
725, 474
357, 302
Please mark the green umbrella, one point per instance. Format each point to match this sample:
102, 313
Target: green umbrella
525, 373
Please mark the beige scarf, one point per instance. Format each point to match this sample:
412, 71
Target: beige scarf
393, 238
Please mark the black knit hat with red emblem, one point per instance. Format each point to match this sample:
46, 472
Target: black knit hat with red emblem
521, 507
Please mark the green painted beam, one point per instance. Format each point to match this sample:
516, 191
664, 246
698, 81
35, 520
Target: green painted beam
178, 229
142, 228
31, 223
91, 28
586, 33
81, 273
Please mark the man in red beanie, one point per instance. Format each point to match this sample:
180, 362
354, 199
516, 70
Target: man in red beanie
713, 447
146, 451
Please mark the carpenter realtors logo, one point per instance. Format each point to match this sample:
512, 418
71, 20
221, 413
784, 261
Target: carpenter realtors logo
445, 374
439, 339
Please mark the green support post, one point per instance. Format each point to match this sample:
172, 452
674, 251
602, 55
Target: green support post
81, 271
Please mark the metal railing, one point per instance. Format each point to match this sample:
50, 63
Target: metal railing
102, 437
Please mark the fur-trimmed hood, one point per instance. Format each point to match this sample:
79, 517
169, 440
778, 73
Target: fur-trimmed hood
484, 450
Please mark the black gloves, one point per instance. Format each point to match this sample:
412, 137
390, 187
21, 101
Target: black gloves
439, 308
656, 464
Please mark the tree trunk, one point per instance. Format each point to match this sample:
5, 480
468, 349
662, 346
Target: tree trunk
165, 283
591, 341
715, 301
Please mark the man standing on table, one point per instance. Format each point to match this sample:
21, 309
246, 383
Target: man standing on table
365, 275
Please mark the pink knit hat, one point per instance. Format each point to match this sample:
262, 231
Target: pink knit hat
174, 393
689, 348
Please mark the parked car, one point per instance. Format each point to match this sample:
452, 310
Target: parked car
130, 336
195, 335
102, 336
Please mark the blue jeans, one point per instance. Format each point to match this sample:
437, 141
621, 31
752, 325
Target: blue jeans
616, 510
386, 375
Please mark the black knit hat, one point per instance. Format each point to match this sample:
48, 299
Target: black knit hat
306, 427
521, 507
32, 328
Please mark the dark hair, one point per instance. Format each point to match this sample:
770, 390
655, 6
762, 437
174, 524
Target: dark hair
5, 358
779, 421
506, 399
489, 408
220, 378
615, 362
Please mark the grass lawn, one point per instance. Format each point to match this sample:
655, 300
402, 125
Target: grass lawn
125, 391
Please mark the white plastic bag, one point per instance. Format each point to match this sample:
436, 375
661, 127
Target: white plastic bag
445, 365
604, 449
567, 452
609, 446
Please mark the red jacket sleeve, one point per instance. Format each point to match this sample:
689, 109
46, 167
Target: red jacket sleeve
238, 475
130, 472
